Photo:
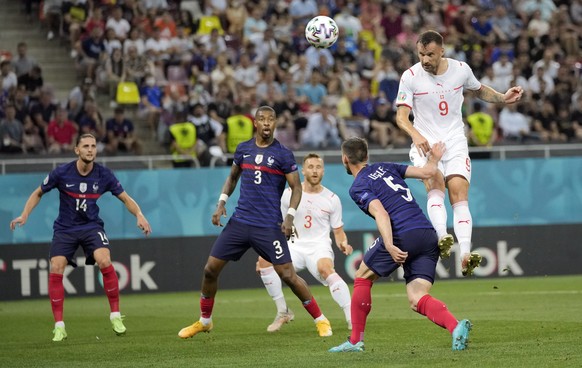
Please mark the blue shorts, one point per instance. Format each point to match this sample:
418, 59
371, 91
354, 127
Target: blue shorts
423, 255
65, 243
237, 238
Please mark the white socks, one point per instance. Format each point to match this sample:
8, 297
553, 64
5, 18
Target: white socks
114, 315
437, 212
340, 293
463, 225
274, 287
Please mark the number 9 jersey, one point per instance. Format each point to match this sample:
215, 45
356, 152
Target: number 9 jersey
78, 196
436, 100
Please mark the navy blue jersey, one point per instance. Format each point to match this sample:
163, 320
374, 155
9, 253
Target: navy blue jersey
385, 181
78, 196
262, 182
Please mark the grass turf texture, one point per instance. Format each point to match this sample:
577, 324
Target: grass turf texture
518, 322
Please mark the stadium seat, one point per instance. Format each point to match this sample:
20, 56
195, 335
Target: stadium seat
208, 23
127, 93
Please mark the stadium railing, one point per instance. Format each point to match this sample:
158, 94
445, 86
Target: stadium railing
149, 162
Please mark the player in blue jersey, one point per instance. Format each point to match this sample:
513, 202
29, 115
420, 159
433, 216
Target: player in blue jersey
264, 166
407, 239
80, 183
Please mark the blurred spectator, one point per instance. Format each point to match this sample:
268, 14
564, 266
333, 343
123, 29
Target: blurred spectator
22, 63
61, 133
151, 103
246, 74
268, 85
349, 24
238, 128
254, 25
236, 16
137, 66
545, 124
120, 135
92, 51
505, 24
482, 130
301, 11
300, 70
157, 48
207, 132
51, 9
166, 25
111, 43
11, 131
91, 121
75, 14
314, 57
315, 91
540, 82
120, 26
383, 130
154, 5
114, 73
32, 82
136, 41
214, 42
322, 131
78, 95
42, 112
514, 125
8, 78
95, 20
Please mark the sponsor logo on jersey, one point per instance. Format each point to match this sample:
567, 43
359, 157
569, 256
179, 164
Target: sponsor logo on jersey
258, 159
83, 187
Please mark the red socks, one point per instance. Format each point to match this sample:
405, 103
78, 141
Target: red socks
436, 311
361, 307
206, 305
56, 292
111, 286
312, 308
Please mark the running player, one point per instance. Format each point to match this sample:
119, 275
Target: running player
433, 90
264, 166
319, 212
80, 183
406, 239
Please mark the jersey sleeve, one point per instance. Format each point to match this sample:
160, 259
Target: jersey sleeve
288, 164
471, 82
285, 199
50, 181
238, 155
113, 185
362, 195
405, 92
335, 219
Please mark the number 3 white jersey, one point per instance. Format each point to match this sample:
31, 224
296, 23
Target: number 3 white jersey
436, 100
316, 215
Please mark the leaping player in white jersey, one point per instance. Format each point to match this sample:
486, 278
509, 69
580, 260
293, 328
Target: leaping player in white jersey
433, 90
319, 211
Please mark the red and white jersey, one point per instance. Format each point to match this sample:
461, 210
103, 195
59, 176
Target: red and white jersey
317, 214
436, 100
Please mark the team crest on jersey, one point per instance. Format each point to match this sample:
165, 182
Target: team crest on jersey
95, 187
83, 187
401, 96
270, 161
258, 159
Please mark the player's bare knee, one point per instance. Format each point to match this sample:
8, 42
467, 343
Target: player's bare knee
210, 273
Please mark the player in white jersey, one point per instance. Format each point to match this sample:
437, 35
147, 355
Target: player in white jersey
433, 90
319, 211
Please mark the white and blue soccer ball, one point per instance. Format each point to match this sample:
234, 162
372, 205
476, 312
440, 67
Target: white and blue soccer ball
321, 32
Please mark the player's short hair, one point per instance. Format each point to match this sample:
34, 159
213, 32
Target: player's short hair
430, 36
86, 135
356, 150
265, 108
311, 155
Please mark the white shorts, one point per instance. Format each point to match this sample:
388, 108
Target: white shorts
455, 161
306, 256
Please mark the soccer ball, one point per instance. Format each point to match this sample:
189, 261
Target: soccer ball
321, 32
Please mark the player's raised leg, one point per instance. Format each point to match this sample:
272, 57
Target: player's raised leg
56, 293
301, 290
437, 213
274, 287
209, 287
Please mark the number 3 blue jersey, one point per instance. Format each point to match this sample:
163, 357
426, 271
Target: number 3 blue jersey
78, 196
385, 182
262, 182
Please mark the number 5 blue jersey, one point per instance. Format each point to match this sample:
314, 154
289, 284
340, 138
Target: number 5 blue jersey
385, 182
78, 194
262, 182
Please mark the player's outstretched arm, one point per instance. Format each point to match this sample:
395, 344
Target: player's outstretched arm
431, 167
404, 123
227, 189
134, 209
30, 204
341, 240
488, 94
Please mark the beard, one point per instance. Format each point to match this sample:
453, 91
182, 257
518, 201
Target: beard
348, 171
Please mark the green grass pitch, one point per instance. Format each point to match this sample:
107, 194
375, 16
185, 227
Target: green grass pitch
518, 322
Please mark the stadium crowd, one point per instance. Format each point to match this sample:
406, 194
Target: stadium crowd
201, 68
